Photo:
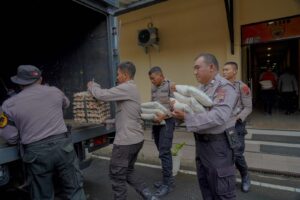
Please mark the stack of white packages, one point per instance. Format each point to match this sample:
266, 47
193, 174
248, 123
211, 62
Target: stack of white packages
87, 109
190, 99
150, 110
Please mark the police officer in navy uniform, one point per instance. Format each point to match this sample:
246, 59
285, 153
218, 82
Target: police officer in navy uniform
163, 134
214, 156
242, 109
34, 118
129, 138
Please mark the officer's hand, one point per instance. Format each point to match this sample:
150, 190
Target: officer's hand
173, 87
156, 120
92, 84
178, 114
89, 85
159, 117
239, 120
172, 105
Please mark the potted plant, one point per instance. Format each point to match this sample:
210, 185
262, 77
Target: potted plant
176, 154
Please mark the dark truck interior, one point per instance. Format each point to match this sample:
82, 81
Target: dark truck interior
66, 40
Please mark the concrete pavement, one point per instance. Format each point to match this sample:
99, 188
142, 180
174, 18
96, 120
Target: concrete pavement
98, 187
266, 151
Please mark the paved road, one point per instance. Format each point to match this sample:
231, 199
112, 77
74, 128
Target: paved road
98, 186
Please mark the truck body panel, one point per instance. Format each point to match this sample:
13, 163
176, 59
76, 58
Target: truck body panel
72, 44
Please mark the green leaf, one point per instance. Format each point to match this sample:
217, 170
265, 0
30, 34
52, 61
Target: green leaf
176, 148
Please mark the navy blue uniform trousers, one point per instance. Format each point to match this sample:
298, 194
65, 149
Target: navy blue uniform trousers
121, 170
215, 168
240, 161
163, 137
51, 158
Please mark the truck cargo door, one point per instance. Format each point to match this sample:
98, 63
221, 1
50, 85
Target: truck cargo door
103, 6
117, 7
126, 6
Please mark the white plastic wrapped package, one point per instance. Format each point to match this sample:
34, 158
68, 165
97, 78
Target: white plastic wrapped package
155, 105
266, 84
191, 101
183, 89
200, 96
151, 111
181, 106
163, 122
150, 104
196, 106
181, 98
148, 116
196, 93
151, 117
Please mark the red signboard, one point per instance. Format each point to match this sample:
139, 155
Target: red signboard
272, 30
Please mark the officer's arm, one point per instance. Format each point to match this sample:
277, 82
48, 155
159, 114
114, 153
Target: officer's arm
8, 130
218, 115
65, 100
118, 93
10, 134
246, 100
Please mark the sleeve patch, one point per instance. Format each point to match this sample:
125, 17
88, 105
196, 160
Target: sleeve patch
245, 89
220, 95
3, 120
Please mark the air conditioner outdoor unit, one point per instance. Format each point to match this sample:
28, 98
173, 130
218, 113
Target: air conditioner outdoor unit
148, 37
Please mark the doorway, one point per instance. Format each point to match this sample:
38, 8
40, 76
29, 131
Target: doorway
272, 46
279, 56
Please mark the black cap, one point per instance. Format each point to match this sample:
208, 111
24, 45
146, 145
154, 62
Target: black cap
26, 75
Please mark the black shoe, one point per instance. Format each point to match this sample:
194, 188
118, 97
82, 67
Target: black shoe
147, 195
246, 183
163, 190
157, 184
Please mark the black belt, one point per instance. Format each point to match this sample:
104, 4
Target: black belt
210, 137
49, 138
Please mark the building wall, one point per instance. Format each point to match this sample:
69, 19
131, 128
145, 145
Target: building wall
187, 28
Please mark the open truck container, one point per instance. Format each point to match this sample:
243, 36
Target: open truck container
72, 42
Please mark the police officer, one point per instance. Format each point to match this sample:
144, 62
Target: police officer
129, 133
214, 157
35, 120
163, 134
288, 88
242, 109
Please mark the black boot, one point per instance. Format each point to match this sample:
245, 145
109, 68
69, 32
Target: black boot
163, 190
157, 184
166, 181
147, 195
246, 183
